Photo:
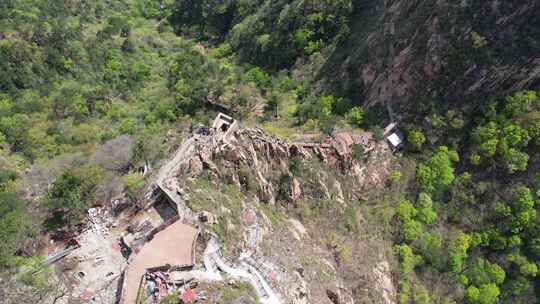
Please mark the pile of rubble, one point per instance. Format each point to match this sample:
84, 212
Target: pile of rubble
160, 284
98, 260
137, 235
99, 220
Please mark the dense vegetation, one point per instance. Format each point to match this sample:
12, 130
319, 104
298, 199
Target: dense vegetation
90, 89
271, 34
474, 223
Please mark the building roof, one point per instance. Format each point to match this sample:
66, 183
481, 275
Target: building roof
390, 127
221, 119
394, 139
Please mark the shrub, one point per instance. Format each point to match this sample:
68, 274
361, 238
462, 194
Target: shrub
328, 125
378, 133
356, 116
295, 166
458, 251
478, 41
134, 184
416, 139
357, 151
426, 214
405, 210
258, 76
411, 229
395, 176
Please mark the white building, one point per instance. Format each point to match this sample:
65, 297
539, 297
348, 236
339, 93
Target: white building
395, 140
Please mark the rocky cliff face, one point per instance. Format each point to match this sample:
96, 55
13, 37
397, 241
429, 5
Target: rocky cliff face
229, 156
293, 208
402, 52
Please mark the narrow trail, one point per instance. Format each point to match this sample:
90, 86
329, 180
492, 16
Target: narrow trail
215, 265
214, 260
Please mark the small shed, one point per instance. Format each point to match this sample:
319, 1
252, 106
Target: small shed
223, 126
395, 140
222, 122
389, 128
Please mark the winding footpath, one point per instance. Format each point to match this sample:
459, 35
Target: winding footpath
214, 261
215, 265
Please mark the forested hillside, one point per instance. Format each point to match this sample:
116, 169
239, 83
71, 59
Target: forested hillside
93, 92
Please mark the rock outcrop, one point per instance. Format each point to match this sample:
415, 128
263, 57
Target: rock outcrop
451, 52
265, 155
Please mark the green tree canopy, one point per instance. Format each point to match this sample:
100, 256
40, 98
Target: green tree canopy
520, 103
15, 226
437, 173
71, 195
426, 214
458, 251
486, 294
356, 116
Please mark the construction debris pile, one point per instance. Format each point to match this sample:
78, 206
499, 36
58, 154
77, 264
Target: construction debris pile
137, 235
99, 221
161, 284
98, 261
